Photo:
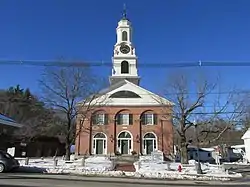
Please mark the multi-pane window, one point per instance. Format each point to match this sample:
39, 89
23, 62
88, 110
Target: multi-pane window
99, 119
149, 119
124, 119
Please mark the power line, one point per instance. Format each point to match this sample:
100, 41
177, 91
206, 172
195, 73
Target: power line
82, 63
193, 93
193, 113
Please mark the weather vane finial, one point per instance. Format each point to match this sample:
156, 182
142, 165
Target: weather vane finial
124, 15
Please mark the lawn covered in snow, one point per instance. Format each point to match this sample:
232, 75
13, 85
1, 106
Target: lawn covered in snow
145, 168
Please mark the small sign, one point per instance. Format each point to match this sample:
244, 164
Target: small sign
11, 151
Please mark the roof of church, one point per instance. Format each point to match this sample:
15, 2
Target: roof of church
126, 93
114, 86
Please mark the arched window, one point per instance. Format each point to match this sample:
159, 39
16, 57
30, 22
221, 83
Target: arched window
99, 135
125, 94
100, 144
150, 143
124, 67
124, 36
149, 135
124, 135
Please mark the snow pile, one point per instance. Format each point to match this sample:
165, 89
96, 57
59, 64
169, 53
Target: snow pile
145, 168
158, 169
192, 162
146, 158
90, 164
237, 163
147, 165
146, 175
98, 164
41, 163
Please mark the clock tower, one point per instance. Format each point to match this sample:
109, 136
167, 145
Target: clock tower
124, 58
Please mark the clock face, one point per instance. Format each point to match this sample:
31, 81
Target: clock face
125, 49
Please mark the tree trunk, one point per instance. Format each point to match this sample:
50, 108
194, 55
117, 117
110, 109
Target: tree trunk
67, 149
68, 142
184, 151
67, 146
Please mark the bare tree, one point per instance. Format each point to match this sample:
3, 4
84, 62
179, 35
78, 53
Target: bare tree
245, 120
221, 119
63, 88
192, 99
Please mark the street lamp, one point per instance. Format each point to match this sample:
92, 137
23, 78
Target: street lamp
199, 171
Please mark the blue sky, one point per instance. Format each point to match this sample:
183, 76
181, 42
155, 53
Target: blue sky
165, 31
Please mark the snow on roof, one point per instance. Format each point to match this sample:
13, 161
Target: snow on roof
238, 146
4, 120
201, 148
208, 149
246, 135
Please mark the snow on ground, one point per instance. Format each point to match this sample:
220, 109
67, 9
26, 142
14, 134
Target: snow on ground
98, 164
145, 168
237, 163
160, 169
89, 164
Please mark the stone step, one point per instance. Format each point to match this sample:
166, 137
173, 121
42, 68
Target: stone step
129, 158
125, 167
124, 162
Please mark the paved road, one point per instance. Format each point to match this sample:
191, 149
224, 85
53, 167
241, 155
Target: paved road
244, 170
29, 180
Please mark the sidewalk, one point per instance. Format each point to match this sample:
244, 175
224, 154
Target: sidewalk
117, 180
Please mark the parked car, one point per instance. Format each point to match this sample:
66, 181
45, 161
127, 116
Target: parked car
7, 162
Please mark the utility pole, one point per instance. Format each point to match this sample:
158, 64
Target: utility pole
199, 171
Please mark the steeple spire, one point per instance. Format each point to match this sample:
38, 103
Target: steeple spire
124, 14
124, 58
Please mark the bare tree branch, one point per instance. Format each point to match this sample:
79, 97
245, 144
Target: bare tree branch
188, 105
72, 92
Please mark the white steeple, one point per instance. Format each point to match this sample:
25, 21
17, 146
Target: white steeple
124, 57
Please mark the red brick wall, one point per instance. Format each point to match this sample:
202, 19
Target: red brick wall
163, 129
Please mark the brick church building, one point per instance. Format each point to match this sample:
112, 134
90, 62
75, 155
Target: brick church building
131, 120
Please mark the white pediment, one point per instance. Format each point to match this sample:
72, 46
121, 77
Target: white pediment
142, 97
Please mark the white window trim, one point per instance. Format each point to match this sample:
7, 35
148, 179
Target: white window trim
153, 122
155, 140
104, 145
128, 139
126, 120
103, 119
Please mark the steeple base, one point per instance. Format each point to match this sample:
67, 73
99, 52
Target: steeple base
115, 79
